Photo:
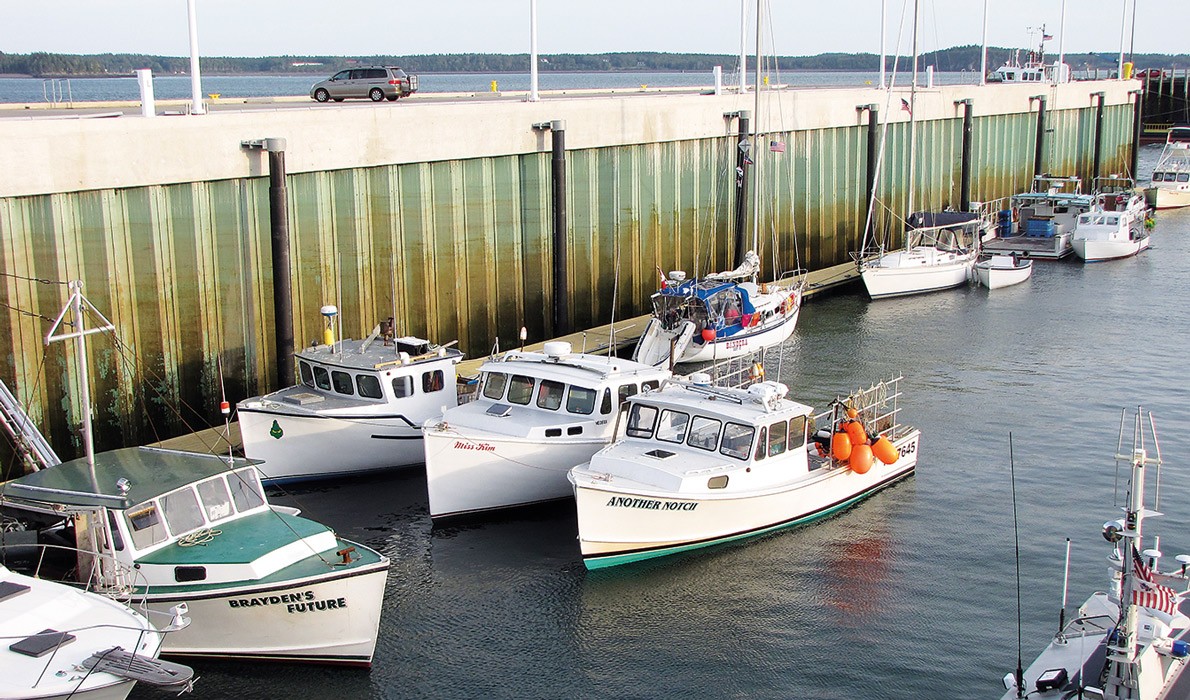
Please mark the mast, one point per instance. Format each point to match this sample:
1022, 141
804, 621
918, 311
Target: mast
912, 120
756, 136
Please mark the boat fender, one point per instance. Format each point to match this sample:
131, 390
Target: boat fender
884, 450
855, 431
708, 335
861, 459
756, 374
841, 446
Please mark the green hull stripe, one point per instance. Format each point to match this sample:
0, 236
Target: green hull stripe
602, 562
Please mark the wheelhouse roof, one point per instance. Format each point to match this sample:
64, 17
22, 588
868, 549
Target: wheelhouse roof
353, 354
572, 367
151, 472
719, 402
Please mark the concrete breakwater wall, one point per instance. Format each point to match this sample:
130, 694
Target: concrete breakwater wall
442, 211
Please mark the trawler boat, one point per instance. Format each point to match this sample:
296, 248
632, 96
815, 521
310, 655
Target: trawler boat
720, 316
198, 529
1040, 223
535, 416
1170, 186
1130, 641
1113, 228
1003, 271
359, 407
1033, 69
64, 642
695, 465
940, 253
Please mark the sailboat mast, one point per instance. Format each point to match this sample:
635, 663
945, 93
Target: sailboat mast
80, 349
912, 116
756, 213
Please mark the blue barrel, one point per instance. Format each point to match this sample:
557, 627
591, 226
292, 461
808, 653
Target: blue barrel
1004, 223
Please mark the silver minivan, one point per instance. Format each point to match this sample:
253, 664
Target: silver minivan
373, 82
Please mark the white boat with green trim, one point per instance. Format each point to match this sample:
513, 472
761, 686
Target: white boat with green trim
696, 465
260, 582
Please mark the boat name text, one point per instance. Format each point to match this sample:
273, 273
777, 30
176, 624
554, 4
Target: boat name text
479, 446
650, 504
293, 602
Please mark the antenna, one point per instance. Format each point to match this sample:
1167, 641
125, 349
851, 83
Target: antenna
1065, 589
225, 409
1016, 537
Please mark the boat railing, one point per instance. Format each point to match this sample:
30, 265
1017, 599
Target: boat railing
62, 637
105, 574
737, 372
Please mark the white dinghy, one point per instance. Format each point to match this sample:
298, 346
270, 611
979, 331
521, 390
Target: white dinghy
1003, 271
696, 465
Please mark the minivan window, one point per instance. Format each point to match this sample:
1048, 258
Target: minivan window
342, 75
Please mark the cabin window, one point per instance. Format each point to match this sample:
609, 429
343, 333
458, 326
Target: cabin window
704, 433
627, 390
342, 382
369, 386
216, 501
402, 387
144, 522
762, 445
672, 426
737, 440
245, 489
797, 432
581, 400
717, 482
606, 407
432, 381
1158, 177
117, 537
520, 389
778, 433
322, 378
307, 373
641, 421
651, 384
549, 394
493, 385
182, 513
1182, 177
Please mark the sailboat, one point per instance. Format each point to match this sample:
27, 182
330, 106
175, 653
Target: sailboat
727, 314
170, 527
1130, 641
941, 248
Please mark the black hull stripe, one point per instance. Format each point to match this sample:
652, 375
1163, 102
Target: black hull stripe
397, 437
771, 526
336, 659
345, 418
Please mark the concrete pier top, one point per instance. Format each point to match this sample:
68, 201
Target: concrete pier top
77, 154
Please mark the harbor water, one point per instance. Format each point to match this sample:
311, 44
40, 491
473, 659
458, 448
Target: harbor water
910, 594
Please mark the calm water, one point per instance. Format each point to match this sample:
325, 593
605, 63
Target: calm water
178, 87
908, 595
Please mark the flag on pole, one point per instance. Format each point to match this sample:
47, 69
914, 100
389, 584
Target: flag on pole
1148, 593
777, 146
1047, 37
905, 106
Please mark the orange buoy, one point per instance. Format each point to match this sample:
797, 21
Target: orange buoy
840, 446
861, 459
855, 431
884, 450
852, 413
708, 334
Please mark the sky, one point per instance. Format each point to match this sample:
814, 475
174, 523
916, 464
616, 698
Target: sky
392, 27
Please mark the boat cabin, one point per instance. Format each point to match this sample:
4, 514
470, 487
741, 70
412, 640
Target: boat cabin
359, 371
721, 306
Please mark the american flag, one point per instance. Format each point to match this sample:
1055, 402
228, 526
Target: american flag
777, 146
1047, 37
905, 106
1148, 593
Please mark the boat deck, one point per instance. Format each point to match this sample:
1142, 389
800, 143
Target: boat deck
1028, 246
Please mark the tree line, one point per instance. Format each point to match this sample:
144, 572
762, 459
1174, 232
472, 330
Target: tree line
959, 58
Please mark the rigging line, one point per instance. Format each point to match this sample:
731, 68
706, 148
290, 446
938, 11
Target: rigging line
39, 280
31, 314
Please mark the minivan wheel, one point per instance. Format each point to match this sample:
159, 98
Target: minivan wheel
321, 95
393, 98
376, 94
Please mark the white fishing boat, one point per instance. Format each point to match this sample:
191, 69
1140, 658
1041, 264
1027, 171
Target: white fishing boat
535, 416
695, 465
720, 316
1129, 642
359, 407
940, 253
1040, 223
1033, 69
62, 642
1003, 271
198, 529
1113, 228
1170, 185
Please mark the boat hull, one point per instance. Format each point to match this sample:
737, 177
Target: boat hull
331, 618
1164, 198
620, 526
295, 446
743, 343
1098, 251
997, 277
887, 282
471, 473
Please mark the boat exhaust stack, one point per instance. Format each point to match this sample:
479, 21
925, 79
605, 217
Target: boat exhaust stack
328, 334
